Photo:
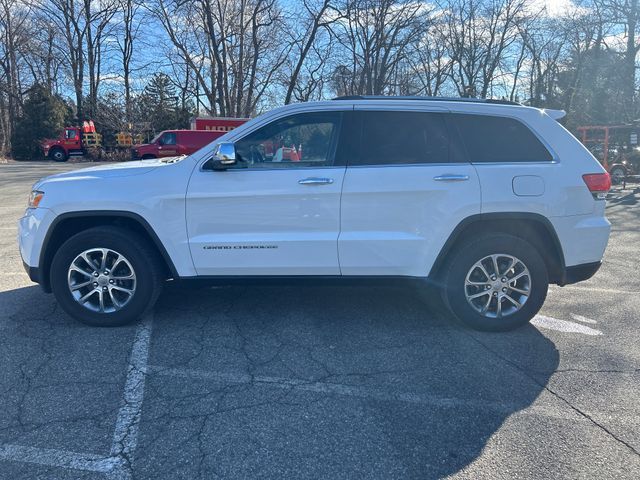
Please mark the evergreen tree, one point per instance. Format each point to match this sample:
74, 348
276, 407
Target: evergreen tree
43, 116
158, 105
590, 89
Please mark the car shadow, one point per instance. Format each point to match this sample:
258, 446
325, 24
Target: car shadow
408, 393
625, 198
431, 393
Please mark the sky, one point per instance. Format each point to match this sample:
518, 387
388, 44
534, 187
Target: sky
556, 7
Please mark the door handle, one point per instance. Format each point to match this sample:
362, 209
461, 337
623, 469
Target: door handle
315, 181
449, 177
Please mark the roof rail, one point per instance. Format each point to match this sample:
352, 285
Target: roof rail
432, 99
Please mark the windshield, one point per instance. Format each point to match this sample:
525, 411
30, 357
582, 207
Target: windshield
155, 139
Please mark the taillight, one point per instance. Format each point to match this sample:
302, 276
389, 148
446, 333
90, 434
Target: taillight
598, 184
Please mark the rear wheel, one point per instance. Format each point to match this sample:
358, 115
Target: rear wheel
58, 155
106, 276
496, 282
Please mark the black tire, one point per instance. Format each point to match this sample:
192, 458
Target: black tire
58, 155
148, 157
145, 263
617, 175
472, 251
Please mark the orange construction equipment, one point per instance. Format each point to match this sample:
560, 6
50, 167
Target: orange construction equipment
88, 127
601, 135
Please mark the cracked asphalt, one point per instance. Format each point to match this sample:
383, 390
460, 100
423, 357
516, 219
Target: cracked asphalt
319, 382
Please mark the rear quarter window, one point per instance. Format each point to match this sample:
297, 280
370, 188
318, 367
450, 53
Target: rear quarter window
499, 139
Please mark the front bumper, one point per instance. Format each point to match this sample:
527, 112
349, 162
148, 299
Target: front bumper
33, 272
32, 229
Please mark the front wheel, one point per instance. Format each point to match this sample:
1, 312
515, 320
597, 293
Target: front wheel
106, 276
496, 282
58, 155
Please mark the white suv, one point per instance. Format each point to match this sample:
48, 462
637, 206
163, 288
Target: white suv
489, 200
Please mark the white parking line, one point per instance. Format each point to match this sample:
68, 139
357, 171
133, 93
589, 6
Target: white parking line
118, 465
58, 458
551, 323
125, 436
555, 288
551, 411
580, 318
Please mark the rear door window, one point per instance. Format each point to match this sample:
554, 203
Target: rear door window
490, 139
399, 138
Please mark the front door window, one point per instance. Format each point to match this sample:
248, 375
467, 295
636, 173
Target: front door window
304, 140
168, 139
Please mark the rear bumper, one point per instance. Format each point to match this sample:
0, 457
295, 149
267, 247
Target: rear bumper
583, 238
578, 273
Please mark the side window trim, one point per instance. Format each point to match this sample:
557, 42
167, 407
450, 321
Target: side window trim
348, 118
333, 146
458, 153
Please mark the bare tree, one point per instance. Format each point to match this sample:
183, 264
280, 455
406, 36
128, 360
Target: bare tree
479, 36
544, 42
376, 35
129, 13
13, 37
429, 60
231, 46
97, 21
317, 15
67, 18
315, 74
40, 54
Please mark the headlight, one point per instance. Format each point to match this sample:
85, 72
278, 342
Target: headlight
35, 198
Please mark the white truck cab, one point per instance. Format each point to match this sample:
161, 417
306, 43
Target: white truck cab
490, 201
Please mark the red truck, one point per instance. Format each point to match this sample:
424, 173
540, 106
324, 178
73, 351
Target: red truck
72, 141
216, 124
171, 143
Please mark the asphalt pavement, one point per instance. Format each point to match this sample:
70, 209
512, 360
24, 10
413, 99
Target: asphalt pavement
336, 382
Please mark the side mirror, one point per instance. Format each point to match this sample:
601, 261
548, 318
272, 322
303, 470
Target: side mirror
224, 156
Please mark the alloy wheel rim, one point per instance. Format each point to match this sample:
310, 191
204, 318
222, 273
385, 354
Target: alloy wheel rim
101, 280
498, 285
